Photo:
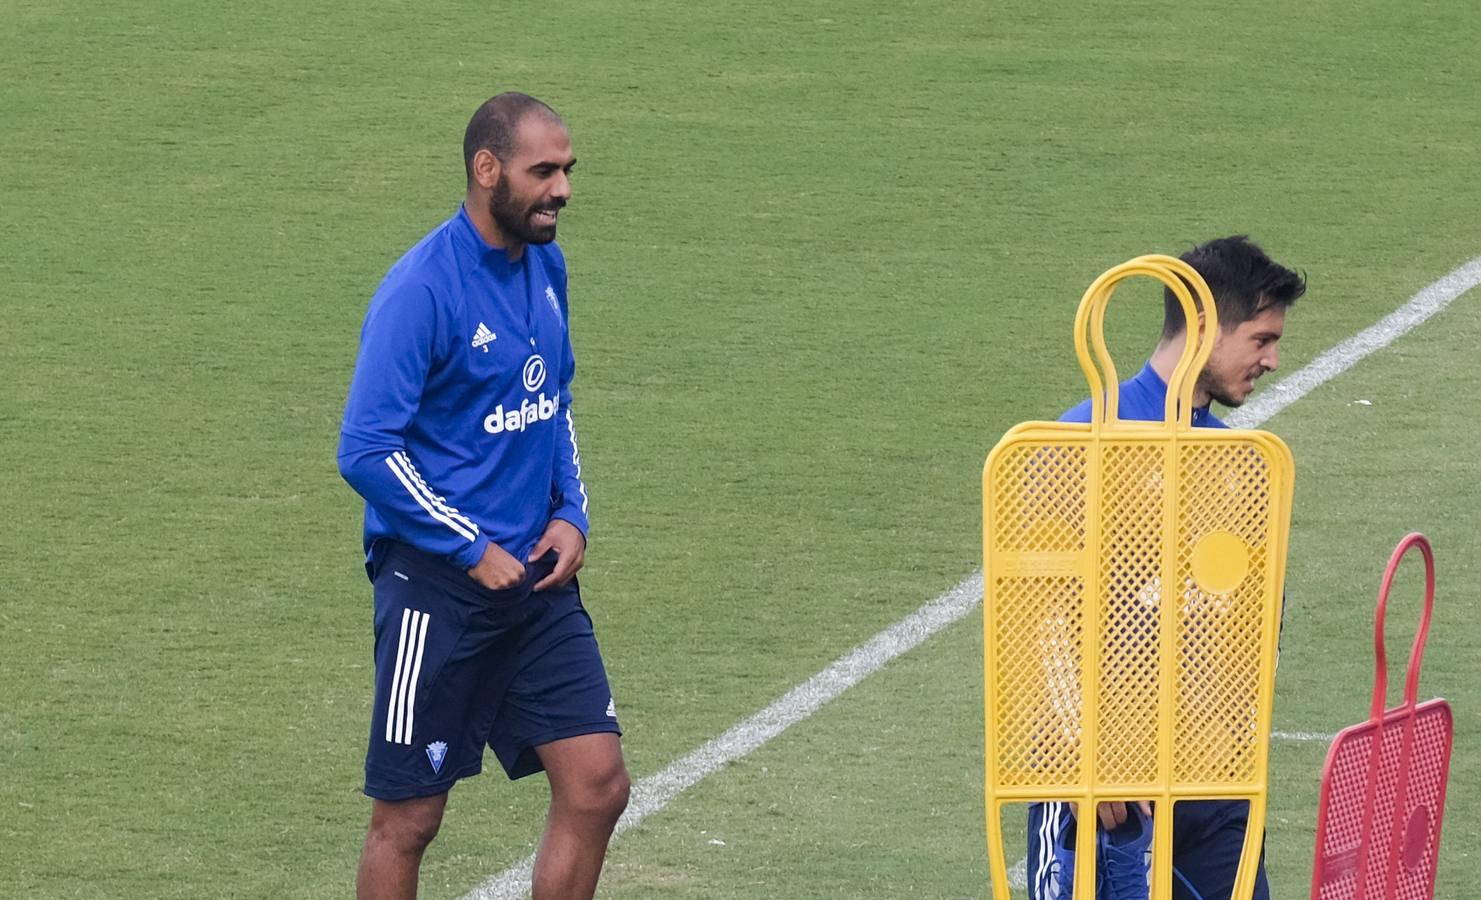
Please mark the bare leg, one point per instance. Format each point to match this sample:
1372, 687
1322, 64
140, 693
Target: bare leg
399, 832
588, 792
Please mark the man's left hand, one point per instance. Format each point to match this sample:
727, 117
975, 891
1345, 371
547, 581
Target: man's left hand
569, 545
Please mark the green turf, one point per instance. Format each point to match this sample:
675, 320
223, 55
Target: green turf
822, 255
880, 795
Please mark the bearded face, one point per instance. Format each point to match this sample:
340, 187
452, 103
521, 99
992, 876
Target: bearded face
527, 187
529, 220
1241, 355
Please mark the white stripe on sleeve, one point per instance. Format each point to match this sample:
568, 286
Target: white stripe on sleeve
576, 457
437, 500
417, 488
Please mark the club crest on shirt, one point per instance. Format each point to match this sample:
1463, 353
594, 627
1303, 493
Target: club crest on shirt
436, 753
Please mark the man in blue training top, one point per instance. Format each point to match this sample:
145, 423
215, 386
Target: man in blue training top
1251, 294
458, 433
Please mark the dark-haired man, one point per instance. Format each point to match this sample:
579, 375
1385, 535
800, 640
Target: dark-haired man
1251, 295
458, 433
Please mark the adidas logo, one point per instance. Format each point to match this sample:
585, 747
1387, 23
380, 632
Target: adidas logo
483, 337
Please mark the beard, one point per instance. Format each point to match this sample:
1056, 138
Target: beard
1211, 385
515, 219
1217, 386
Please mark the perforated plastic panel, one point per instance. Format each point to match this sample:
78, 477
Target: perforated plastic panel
1042, 539
1383, 790
1222, 636
1043, 626
1133, 574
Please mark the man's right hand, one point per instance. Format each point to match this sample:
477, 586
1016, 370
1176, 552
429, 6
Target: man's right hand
1113, 814
497, 570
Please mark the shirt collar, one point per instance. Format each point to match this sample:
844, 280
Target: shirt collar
468, 238
1155, 389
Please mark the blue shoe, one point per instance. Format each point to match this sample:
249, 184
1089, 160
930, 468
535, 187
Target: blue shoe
1121, 858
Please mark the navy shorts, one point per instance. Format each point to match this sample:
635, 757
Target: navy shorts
1207, 840
458, 667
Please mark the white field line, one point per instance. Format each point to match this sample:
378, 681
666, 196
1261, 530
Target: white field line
1304, 737
1345, 355
653, 793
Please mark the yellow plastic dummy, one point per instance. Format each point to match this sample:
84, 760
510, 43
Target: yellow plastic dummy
1133, 575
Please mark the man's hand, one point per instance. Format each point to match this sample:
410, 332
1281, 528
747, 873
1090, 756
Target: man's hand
497, 570
1113, 814
569, 545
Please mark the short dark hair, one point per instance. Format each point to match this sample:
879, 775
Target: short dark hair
493, 126
1245, 282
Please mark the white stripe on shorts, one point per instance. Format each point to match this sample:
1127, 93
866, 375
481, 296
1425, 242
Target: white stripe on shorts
409, 645
1050, 815
416, 672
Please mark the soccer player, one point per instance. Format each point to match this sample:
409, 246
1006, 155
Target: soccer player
458, 433
1251, 295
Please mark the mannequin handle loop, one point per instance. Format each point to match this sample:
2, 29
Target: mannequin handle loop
1197, 302
1416, 653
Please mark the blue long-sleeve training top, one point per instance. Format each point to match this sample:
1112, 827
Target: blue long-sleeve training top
1143, 398
458, 427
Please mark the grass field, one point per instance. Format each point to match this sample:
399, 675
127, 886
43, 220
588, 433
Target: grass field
822, 255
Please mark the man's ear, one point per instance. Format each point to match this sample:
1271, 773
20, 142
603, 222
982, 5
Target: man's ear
1218, 332
1202, 323
486, 169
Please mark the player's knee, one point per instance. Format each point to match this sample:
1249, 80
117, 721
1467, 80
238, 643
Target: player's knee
602, 796
610, 794
405, 828
619, 790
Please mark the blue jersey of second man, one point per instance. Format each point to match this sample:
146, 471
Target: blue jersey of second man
458, 427
1144, 398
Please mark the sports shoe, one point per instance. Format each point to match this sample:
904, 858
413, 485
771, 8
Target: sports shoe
1121, 858
1120, 861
